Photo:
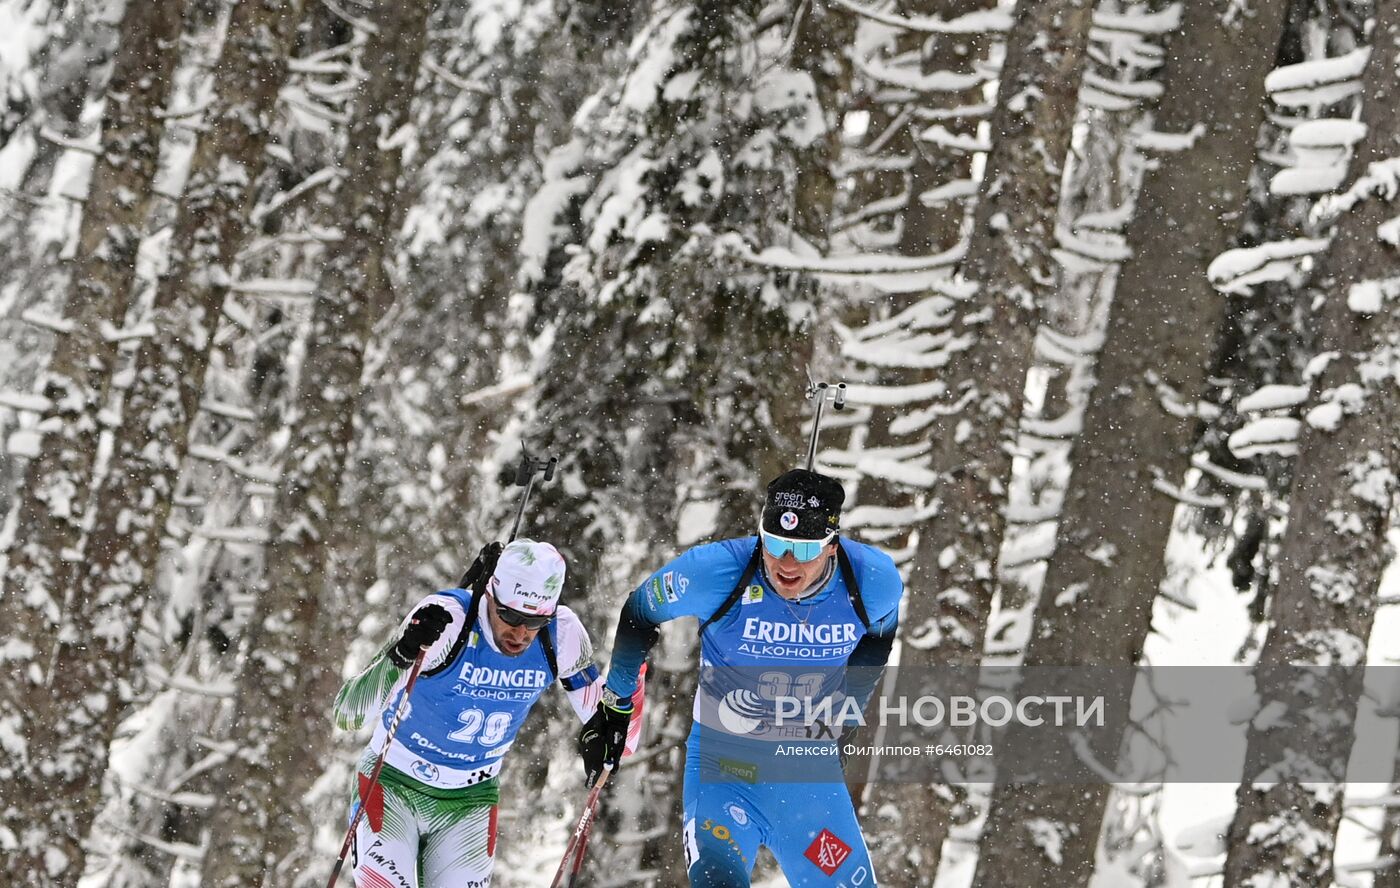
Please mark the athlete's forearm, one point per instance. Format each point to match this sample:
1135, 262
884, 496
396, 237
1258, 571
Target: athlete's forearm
367, 692
584, 698
636, 634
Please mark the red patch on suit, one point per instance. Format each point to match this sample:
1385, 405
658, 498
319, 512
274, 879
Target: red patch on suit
373, 800
491, 833
828, 852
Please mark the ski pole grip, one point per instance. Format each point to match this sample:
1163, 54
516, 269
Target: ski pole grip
524, 470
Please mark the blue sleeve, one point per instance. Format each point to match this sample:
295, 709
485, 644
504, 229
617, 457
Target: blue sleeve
881, 588
693, 585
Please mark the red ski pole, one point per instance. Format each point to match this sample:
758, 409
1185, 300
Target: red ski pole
579, 837
578, 845
378, 765
580, 852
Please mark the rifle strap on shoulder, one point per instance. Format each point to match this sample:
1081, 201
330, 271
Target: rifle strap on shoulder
743, 584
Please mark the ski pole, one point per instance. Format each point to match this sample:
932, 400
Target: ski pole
524, 477
399, 714
579, 837
580, 852
634, 730
821, 392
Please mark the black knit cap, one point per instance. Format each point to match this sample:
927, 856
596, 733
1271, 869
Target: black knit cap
803, 505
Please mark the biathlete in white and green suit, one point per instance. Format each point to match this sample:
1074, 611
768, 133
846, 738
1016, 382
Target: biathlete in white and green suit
491, 653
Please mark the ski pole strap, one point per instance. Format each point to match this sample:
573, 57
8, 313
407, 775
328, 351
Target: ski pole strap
744, 580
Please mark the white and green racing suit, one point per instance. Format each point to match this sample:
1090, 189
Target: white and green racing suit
431, 822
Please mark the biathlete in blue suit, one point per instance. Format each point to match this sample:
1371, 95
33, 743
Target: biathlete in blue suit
795, 614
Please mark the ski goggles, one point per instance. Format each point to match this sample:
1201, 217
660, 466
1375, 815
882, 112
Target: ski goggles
802, 550
512, 617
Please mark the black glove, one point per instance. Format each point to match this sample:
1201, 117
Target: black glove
482, 568
424, 628
847, 738
604, 736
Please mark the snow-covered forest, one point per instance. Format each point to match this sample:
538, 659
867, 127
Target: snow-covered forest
286, 285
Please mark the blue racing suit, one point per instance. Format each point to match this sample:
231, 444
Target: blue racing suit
741, 790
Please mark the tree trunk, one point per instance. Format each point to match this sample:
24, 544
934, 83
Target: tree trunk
1389, 877
920, 814
1334, 548
49, 793
935, 227
982, 356
288, 675
114, 581
1097, 597
34, 222
1009, 259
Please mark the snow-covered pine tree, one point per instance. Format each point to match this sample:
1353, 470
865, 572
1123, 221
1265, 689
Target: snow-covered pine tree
211, 228
973, 349
1102, 173
932, 81
1010, 259
1104, 177
166, 755
46, 703
113, 582
1097, 597
39, 66
454, 360
1267, 338
1261, 349
53, 95
54, 504
1310, 668
284, 681
920, 71
672, 385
